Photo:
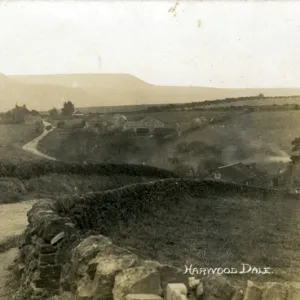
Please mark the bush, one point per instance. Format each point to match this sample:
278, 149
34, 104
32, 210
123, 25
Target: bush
48, 127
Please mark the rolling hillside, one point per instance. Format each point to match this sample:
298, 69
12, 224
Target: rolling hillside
85, 90
38, 96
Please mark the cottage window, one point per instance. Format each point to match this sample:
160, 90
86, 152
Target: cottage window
297, 190
217, 175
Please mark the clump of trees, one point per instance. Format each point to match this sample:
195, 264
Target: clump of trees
67, 110
195, 159
87, 144
17, 114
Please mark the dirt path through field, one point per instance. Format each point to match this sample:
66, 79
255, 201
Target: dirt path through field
13, 220
32, 145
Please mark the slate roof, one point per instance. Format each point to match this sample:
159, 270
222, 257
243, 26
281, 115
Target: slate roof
239, 173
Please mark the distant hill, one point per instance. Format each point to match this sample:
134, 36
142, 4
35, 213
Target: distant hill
42, 92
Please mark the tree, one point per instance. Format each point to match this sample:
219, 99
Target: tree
68, 109
119, 145
35, 112
53, 112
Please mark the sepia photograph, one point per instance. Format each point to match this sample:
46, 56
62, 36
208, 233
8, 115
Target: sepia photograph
149, 150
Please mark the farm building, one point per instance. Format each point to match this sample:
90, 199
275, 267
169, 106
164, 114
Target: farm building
77, 114
289, 178
240, 173
149, 122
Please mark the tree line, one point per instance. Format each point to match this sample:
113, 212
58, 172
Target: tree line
67, 110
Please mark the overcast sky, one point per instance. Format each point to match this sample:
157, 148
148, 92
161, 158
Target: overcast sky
239, 44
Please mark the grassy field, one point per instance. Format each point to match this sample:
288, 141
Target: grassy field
221, 231
14, 190
257, 102
173, 117
12, 138
261, 137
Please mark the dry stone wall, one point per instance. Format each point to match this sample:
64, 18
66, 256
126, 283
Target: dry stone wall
64, 252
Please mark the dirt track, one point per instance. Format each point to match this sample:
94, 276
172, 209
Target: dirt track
13, 220
32, 145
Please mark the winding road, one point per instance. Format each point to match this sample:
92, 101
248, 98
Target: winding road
13, 220
31, 146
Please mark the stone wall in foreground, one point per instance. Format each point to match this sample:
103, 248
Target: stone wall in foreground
61, 254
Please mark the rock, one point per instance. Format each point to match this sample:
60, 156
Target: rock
137, 280
253, 292
193, 282
80, 264
274, 291
199, 290
217, 288
170, 274
238, 295
109, 262
50, 271
176, 291
53, 227
293, 292
47, 258
143, 297
57, 238
89, 247
45, 248
84, 289
68, 278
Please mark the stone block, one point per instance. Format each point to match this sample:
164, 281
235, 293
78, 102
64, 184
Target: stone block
84, 289
171, 274
193, 283
108, 264
253, 292
47, 259
138, 280
293, 292
274, 291
199, 290
176, 291
47, 284
88, 249
238, 294
143, 297
46, 248
52, 271
216, 287
58, 238
53, 227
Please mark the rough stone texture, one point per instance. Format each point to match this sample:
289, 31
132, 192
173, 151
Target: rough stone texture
199, 291
253, 292
108, 264
176, 291
97, 269
81, 257
143, 297
217, 288
58, 237
170, 274
138, 280
274, 291
40, 273
293, 291
238, 294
